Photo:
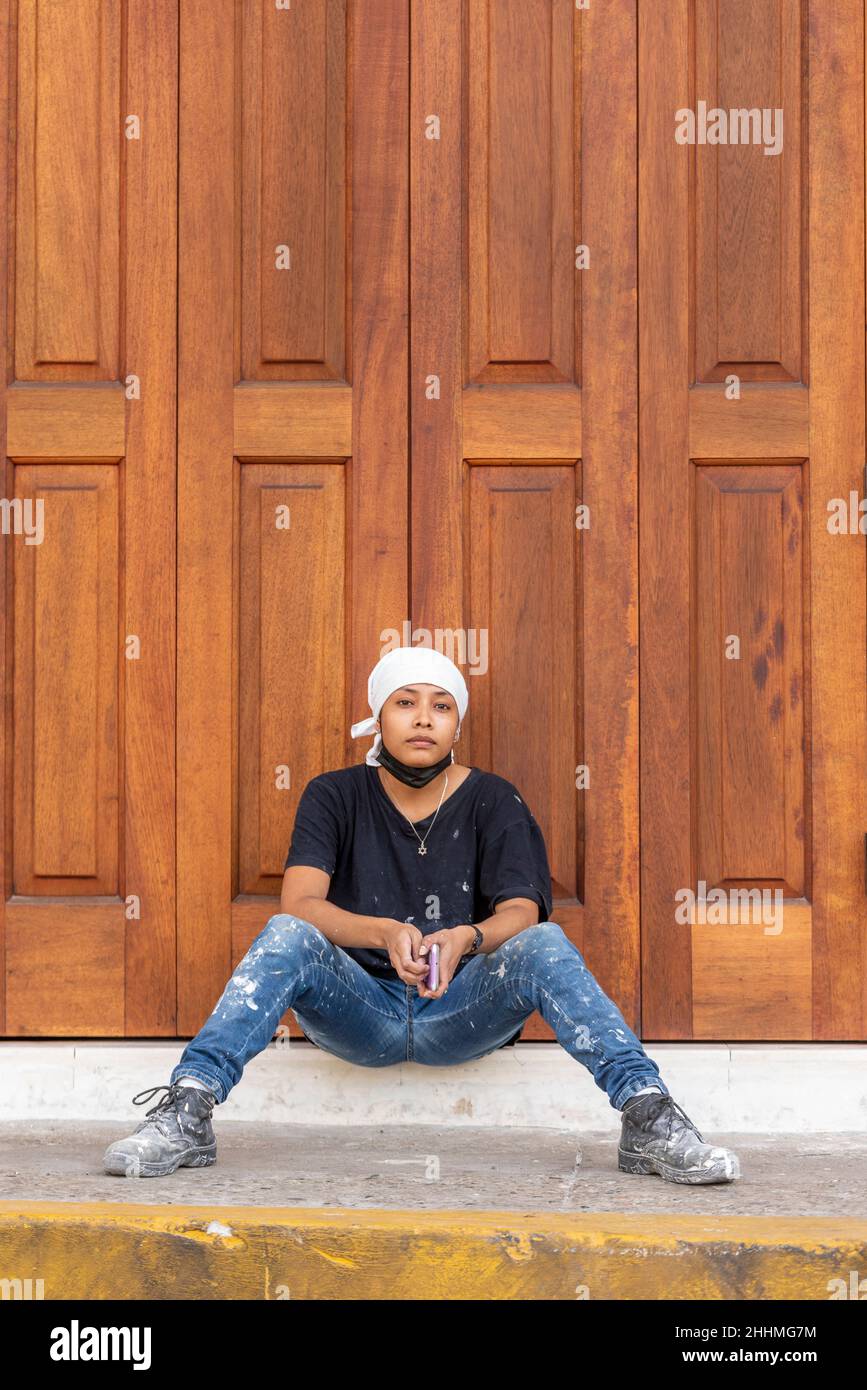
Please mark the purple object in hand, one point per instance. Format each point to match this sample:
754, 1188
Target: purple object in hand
433, 975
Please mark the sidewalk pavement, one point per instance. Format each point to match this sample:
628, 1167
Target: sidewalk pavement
427, 1167
392, 1212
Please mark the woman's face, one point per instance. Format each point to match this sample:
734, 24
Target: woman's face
419, 712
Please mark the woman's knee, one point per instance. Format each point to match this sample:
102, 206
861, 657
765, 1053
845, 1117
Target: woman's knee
546, 940
287, 936
543, 933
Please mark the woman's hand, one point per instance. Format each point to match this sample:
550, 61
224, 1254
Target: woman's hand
403, 942
453, 942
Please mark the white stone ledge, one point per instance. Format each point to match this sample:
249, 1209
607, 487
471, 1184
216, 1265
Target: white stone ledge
739, 1087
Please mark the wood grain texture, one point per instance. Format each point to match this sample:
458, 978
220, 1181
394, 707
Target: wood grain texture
609, 689
750, 263
290, 604
500, 319
431, 387
66, 686
750, 804
89, 733
522, 100
524, 588
522, 422
293, 133
69, 981
70, 421
295, 387
69, 147
150, 295
7, 587
754, 769
768, 421
377, 587
838, 593
316, 416
665, 173
749, 985
207, 485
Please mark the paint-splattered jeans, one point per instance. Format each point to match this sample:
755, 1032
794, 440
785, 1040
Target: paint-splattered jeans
378, 1023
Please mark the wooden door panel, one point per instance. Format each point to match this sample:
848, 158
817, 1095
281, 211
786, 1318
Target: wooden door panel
293, 152
753, 619
524, 586
749, 235
751, 809
523, 409
521, 80
66, 687
292, 433
289, 610
67, 81
87, 945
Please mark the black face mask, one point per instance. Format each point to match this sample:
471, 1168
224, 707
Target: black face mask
412, 776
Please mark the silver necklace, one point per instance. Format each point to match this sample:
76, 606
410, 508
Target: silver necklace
421, 847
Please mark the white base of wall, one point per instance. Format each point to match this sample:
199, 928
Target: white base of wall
785, 1088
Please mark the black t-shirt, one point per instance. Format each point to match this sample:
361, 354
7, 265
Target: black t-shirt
484, 846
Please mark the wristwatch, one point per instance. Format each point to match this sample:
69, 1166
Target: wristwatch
477, 943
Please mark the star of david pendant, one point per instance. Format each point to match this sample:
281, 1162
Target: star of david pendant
422, 850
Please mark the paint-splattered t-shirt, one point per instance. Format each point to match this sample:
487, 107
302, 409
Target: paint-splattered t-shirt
484, 846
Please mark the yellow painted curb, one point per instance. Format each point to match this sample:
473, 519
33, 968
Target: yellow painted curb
117, 1250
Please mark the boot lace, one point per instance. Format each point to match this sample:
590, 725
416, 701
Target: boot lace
677, 1117
165, 1105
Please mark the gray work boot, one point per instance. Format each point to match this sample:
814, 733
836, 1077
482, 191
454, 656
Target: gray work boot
658, 1137
179, 1135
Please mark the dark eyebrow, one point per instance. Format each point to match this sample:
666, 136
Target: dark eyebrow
413, 690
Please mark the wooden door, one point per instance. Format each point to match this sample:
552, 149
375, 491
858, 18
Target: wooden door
88, 125
753, 629
397, 387
523, 373
292, 447
399, 247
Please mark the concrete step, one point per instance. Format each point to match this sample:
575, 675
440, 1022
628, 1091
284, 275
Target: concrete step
784, 1088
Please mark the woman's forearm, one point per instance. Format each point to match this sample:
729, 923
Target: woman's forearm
341, 927
504, 924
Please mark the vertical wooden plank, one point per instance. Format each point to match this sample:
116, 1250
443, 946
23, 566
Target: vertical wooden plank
663, 440
609, 387
378, 563
436, 258
207, 356
7, 60
839, 633
148, 490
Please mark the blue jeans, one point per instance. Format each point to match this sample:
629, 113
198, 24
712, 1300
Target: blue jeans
377, 1023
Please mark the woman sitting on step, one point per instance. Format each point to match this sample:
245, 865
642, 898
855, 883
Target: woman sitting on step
407, 850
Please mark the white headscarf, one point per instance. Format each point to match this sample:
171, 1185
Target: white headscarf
406, 666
